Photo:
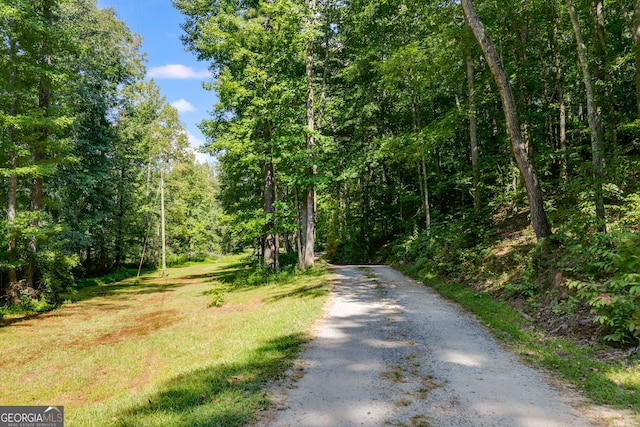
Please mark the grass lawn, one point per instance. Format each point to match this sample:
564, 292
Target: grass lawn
155, 352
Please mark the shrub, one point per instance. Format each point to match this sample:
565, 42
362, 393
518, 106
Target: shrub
217, 295
616, 300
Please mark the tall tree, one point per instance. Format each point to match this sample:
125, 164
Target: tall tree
473, 133
518, 146
593, 117
259, 61
309, 203
36, 42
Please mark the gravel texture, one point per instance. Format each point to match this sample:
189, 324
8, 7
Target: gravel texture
392, 352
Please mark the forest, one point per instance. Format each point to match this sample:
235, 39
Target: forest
490, 142
85, 143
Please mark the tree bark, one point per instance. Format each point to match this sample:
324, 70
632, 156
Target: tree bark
119, 241
473, 134
600, 75
162, 224
270, 242
427, 209
13, 164
309, 202
636, 49
593, 118
270, 249
633, 24
299, 236
562, 109
518, 147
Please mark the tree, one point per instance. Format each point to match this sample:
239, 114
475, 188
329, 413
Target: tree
259, 62
309, 203
36, 42
593, 117
105, 65
518, 147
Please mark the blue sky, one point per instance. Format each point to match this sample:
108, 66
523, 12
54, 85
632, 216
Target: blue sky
176, 71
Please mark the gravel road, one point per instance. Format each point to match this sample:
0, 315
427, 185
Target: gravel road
391, 351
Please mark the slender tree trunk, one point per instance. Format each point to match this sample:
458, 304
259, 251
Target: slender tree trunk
119, 242
13, 164
39, 152
270, 242
308, 207
518, 147
286, 236
299, 234
473, 134
325, 70
427, 210
421, 186
600, 76
514, 185
593, 118
633, 24
162, 225
270, 249
562, 108
636, 49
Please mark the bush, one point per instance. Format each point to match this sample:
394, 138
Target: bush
616, 300
217, 293
57, 276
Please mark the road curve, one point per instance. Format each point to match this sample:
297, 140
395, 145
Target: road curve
391, 351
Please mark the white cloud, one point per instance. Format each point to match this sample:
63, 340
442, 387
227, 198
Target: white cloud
183, 106
177, 71
196, 143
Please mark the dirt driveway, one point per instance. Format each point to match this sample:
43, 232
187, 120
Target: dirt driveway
393, 352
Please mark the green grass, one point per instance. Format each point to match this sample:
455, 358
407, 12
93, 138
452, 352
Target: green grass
615, 384
154, 352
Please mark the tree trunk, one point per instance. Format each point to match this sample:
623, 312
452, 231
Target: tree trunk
39, 151
427, 210
286, 236
270, 242
473, 134
636, 49
119, 241
13, 164
162, 225
600, 75
562, 109
325, 72
633, 24
593, 118
518, 147
299, 234
309, 202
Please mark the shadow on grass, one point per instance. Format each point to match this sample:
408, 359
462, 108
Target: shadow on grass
305, 292
115, 291
220, 395
227, 275
144, 286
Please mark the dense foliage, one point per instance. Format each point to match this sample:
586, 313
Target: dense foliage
413, 154
84, 140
